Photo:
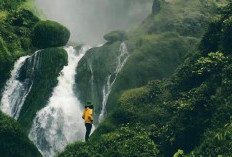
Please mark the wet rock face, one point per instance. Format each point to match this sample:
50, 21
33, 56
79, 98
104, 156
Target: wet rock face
41, 70
156, 7
49, 34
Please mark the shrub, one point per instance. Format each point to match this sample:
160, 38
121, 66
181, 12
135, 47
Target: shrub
125, 141
14, 142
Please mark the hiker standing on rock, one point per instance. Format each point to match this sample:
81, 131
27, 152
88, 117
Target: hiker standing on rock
88, 118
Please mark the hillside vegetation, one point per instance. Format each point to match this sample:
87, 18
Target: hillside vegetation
19, 28
156, 48
15, 36
161, 43
189, 111
14, 141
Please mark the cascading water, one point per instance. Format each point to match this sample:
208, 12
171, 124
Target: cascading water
60, 122
16, 91
121, 60
92, 78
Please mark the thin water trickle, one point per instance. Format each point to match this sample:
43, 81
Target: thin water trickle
121, 60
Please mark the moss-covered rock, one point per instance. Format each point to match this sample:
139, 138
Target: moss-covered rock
15, 39
14, 141
92, 72
5, 62
116, 36
49, 63
156, 47
49, 34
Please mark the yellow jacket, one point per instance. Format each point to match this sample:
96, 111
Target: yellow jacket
88, 115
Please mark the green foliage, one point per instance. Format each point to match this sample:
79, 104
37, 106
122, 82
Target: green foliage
226, 35
14, 142
10, 4
51, 62
30, 5
155, 57
103, 128
218, 36
161, 43
15, 38
209, 64
23, 18
130, 141
211, 39
189, 111
49, 34
188, 18
5, 62
116, 36
216, 143
179, 153
156, 49
79, 149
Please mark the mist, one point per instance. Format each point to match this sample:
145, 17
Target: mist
90, 20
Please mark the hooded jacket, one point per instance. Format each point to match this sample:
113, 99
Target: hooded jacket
88, 115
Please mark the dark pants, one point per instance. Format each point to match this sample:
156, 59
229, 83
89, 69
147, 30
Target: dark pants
88, 130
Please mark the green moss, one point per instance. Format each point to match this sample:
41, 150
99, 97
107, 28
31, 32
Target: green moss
125, 141
10, 5
14, 142
5, 62
97, 59
191, 110
116, 36
156, 47
15, 39
49, 34
51, 62
156, 57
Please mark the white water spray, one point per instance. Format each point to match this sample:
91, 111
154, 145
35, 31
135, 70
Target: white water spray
15, 91
121, 60
60, 122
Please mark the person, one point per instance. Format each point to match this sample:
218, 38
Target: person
88, 118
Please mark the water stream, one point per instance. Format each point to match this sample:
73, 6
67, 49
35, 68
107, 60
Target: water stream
121, 60
15, 90
60, 122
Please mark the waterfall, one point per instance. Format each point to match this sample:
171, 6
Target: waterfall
16, 91
92, 79
60, 122
121, 60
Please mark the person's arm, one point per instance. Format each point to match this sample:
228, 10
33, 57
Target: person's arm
90, 115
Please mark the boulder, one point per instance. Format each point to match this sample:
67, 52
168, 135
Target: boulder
116, 36
14, 141
49, 34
